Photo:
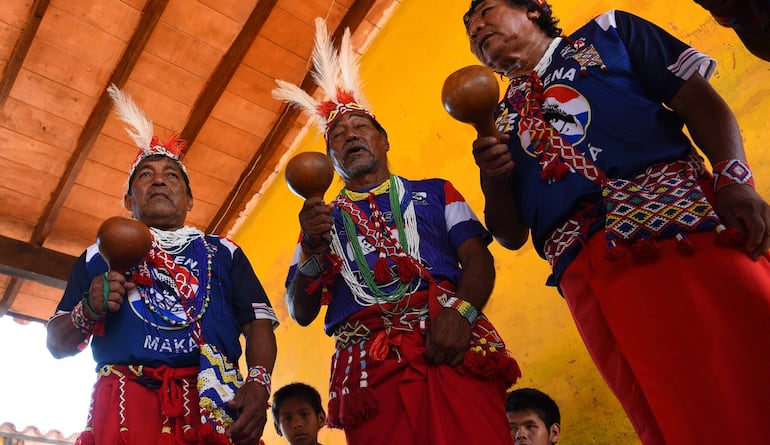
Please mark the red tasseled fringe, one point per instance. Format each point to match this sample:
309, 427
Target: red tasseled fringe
493, 365
213, 437
312, 287
685, 247
333, 420
326, 296
189, 434
614, 252
560, 171
123, 437
729, 237
407, 270
357, 406
379, 347
548, 171
644, 250
382, 271
166, 439
85, 438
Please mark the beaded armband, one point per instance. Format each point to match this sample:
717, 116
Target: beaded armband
261, 375
463, 307
79, 319
732, 171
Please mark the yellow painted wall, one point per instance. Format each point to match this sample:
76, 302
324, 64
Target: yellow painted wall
404, 71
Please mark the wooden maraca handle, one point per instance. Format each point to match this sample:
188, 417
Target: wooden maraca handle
471, 95
309, 174
123, 242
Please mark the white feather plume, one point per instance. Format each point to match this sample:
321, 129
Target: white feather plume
348, 61
294, 95
325, 61
140, 127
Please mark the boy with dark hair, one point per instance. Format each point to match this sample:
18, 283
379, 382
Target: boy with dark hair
533, 417
298, 414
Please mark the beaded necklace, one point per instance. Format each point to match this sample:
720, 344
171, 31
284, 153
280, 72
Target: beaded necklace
176, 297
402, 251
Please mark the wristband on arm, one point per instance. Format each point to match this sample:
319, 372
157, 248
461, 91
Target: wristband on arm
261, 375
80, 321
463, 307
732, 171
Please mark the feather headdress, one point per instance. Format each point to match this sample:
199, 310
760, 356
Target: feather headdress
336, 73
140, 129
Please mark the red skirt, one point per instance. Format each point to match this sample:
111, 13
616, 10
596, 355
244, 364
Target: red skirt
683, 342
383, 392
162, 409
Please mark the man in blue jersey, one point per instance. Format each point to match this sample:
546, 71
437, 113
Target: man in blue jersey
166, 334
662, 263
404, 268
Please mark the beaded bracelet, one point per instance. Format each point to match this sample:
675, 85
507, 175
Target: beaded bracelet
80, 321
732, 171
463, 307
89, 310
261, 375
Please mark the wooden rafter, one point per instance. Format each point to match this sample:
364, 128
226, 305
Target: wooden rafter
9, 296
25, 261
225, 71
242, 191
21, 49
93, 126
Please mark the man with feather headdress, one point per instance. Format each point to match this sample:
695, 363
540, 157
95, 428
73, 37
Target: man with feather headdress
404, 268
165, 334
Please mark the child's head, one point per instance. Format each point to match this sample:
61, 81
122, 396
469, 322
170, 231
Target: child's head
298, 414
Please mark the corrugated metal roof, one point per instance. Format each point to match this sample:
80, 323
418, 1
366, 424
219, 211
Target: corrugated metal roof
32, 435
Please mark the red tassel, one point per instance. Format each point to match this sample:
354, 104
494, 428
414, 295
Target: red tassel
728, 237
382, 271
492, 365
312, 287
189, 434
99, 328
644, 250
614, 252
210, 436
326, 296
684, 245
379, 347
333, 419
165, 439
123, 436
407, 270
560, 171
86, 438
548, 171
357, 406
512, 371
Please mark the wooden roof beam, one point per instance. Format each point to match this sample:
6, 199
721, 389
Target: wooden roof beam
29, 262
225, 71
21, 49
151, 14
241, 193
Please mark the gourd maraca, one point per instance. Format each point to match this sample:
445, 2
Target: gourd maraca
123, 242
309, 174
470, 95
